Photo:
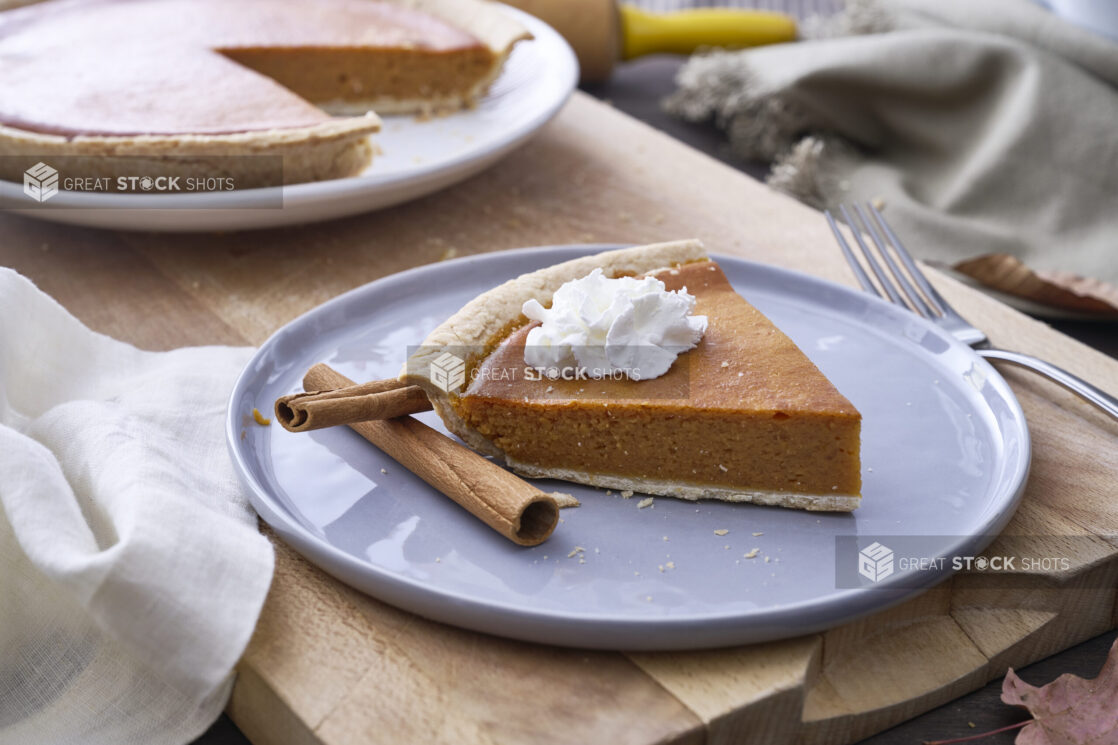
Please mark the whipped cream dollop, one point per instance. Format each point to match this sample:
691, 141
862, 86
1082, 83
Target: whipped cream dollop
603, 327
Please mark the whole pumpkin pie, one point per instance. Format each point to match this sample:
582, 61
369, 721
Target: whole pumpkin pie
743, 416
168, 82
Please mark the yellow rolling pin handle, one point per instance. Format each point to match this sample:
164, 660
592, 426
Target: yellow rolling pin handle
682, 32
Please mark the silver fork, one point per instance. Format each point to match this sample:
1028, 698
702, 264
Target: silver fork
930, 304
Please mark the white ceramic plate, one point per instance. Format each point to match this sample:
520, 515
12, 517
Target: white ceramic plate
419, 157
945, 454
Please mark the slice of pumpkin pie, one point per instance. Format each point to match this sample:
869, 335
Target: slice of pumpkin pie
665, 382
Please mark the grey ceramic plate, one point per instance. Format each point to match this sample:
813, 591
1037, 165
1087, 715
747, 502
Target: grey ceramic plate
945, 456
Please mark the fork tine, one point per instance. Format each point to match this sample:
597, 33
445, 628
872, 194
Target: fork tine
916, 301
930, 292
878, 272
860, 273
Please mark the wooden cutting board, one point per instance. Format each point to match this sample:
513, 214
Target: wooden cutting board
329, 665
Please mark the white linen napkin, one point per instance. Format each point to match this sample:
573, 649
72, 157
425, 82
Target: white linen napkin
132, 572
985, 126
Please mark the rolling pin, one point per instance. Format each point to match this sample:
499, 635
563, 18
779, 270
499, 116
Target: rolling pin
601, 32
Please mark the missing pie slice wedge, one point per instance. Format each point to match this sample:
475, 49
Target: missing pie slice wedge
744, 416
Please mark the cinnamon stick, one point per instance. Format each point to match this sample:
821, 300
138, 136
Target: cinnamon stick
502, 500
379, 399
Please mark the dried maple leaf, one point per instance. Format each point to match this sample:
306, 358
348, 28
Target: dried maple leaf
1069, 710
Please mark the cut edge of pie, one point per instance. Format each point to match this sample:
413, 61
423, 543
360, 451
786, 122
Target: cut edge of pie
498, 31
483, 323
694, 492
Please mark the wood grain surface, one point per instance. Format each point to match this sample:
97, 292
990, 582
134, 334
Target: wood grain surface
330, 665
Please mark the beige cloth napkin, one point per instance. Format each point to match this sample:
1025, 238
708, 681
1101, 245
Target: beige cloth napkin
987, 127
131, 568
